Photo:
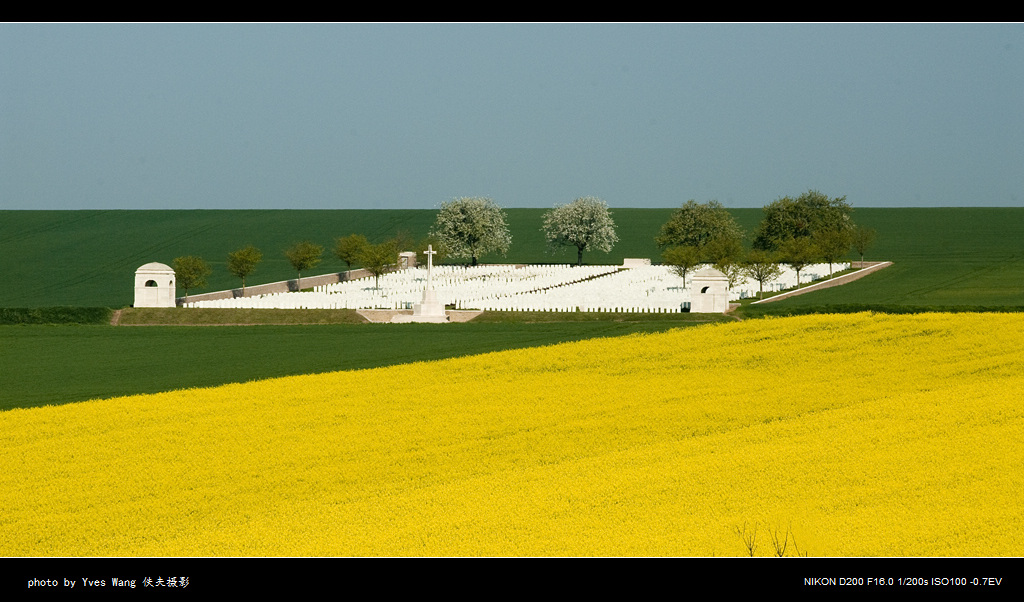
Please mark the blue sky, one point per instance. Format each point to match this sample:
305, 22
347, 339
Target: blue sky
391, 116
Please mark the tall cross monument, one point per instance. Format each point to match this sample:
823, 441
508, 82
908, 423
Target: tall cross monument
430, 252
429, 310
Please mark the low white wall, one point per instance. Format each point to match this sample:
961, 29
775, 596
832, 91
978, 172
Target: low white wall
283, 286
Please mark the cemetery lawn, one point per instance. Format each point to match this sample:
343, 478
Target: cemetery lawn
60, 364
857, 434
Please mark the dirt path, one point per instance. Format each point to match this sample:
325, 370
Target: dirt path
868, 267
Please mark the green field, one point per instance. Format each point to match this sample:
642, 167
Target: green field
44, 365
953, 258
943, 256
89, 257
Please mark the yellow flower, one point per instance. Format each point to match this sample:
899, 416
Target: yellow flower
854, 435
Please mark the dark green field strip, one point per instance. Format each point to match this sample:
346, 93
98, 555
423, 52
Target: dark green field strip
549, 317
41, 365
782, 310
89, 257
943, 256
55, 315
212, 316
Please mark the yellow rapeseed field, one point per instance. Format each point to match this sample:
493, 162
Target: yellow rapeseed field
862, 435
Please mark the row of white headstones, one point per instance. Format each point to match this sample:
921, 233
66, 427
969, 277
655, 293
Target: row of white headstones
518, 288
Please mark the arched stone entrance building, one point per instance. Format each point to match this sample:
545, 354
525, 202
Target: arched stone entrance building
154, 286
710, 292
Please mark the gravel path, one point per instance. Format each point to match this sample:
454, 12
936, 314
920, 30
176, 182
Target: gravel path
867, 267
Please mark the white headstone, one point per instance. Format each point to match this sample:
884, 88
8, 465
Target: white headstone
154, 286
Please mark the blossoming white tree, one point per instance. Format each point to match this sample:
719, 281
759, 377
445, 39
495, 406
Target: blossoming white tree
584, 223
471, 227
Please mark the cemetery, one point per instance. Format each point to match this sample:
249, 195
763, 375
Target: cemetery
557, 288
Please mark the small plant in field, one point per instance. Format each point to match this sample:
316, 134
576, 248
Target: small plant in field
797, 549
778, 539
780, 546
749, 539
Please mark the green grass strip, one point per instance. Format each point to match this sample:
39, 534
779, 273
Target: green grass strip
549, 317
55, 315
171, 316
758, 311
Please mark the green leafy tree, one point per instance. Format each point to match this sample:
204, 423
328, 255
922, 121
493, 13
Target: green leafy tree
697, 224
682, 259
798, 253
862, 238
470, 227
724, 250
191, 272
378, 259
584, 223
761, 266
303, 256
725, 253
243, 262
801, 217
832, 245
350, 248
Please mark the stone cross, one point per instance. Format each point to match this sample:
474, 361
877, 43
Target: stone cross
430, 252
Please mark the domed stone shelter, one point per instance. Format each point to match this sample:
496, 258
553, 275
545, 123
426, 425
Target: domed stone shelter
710, 292
154, 286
